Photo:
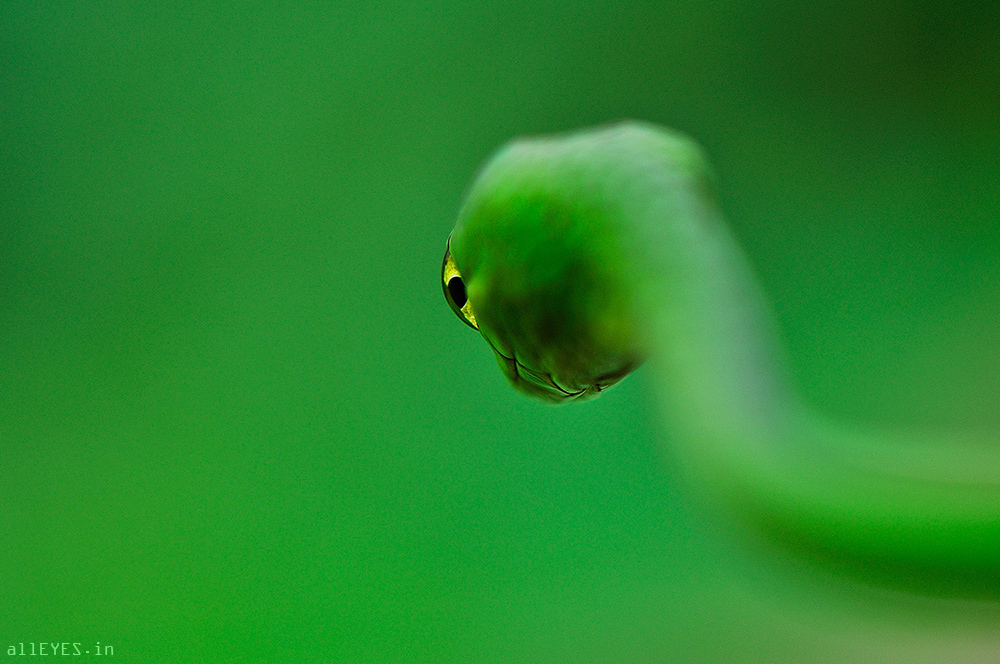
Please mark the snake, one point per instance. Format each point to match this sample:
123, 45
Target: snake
580, 256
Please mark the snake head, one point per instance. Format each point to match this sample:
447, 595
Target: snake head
537, 271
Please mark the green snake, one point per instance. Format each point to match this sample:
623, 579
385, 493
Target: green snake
580, 256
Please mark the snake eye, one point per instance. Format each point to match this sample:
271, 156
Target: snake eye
454, 289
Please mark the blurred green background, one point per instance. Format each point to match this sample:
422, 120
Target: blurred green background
238, 421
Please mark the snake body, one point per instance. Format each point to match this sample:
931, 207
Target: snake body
579, 256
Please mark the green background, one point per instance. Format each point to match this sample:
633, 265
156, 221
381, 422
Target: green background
238, 421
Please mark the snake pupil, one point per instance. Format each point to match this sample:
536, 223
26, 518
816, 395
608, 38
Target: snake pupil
456, 288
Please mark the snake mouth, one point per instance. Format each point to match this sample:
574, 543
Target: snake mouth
542, 384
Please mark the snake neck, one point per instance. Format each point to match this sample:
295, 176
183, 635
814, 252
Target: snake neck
890, 508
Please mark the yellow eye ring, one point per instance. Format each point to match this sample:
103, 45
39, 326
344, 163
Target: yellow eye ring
454, 289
